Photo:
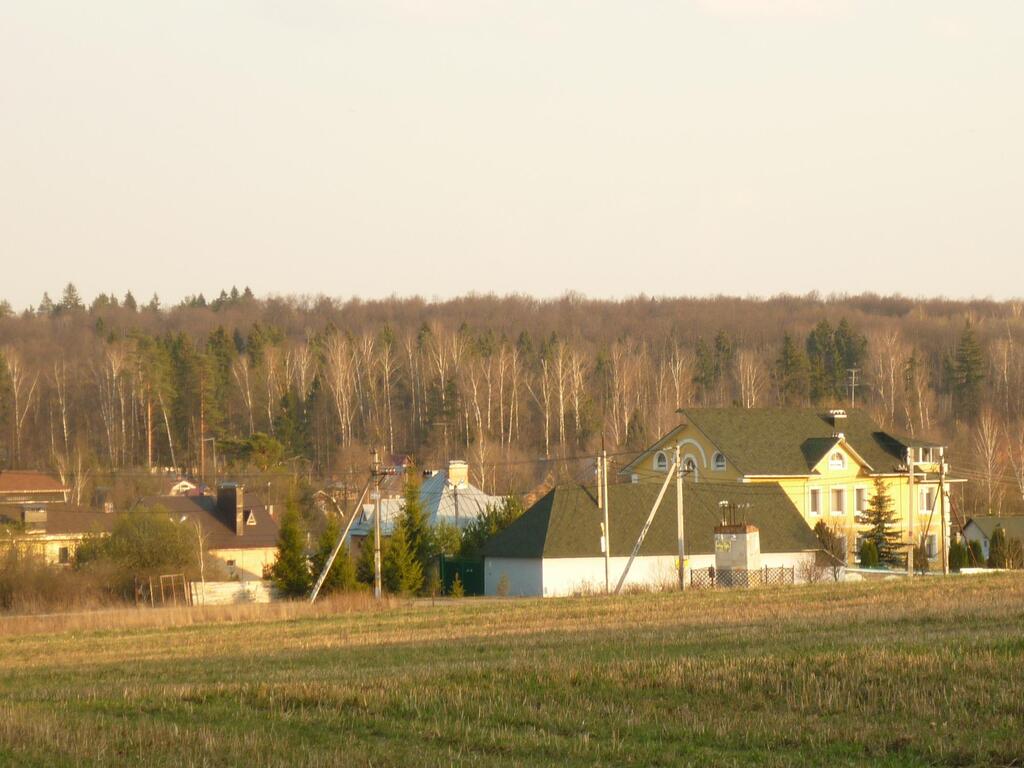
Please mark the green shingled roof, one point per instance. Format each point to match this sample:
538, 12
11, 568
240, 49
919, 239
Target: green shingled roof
1013, 525
791, 441
567, 522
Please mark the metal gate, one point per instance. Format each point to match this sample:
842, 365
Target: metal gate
470, 572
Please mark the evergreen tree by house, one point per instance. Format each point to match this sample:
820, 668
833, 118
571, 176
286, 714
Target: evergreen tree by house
342, 576
958, 557
364, 563
495, 518
290, 572
401, 571
880, 517
969, 373
997, 548
413, 522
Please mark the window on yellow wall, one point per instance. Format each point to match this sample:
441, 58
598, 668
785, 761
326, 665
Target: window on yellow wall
814, 501
860, 500
718, 461
927, 500
838, 501
837, 461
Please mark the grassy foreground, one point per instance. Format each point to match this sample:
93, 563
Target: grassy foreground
928, 672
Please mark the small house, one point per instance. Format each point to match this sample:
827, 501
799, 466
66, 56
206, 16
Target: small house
556, 547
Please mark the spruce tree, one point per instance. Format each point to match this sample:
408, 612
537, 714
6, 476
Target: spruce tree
414, 522
290, 572
342, 576
401, 571
129, 302
823, 361
969, 372
71, 300
882, 525
364, 563
791, 373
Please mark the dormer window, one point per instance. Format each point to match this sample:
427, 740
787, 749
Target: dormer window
837, 461
661, 462
718, 461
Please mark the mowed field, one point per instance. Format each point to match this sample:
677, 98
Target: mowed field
927, 672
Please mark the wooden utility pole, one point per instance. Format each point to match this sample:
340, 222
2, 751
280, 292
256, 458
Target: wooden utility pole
647, 526
942, 511
341, 539
377, 582
679, 521
602, 493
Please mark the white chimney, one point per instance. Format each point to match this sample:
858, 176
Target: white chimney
458, 473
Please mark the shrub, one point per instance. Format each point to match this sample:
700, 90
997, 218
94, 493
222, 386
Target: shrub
457, 590
958, 557
997, 548
868, 554
975, 558
921, 564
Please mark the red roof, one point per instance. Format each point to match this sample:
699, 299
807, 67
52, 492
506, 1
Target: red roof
27, 481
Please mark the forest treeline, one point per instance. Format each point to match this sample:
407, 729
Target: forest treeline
505, 382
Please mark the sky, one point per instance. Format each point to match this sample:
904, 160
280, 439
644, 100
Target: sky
440, 147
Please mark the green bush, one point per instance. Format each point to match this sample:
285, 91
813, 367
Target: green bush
975, 558
997, 548
457, 589
958, 557
868, 554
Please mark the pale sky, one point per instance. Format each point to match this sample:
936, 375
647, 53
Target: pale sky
438, 147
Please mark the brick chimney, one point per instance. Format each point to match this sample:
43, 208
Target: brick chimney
231, 502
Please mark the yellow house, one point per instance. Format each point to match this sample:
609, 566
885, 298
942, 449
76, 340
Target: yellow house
827, 464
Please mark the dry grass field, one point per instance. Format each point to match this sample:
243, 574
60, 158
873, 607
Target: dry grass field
928, 672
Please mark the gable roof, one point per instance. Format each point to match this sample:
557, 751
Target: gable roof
1013, 525
791, 441
27, 481
219, 528
567, 522
63, 520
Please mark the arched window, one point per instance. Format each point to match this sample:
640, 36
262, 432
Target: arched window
837, 461
661, 461
718, 461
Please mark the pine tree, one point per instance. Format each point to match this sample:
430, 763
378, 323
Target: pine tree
71, 301
46, 306
791, 373
364, 564
401, 572
969, 373
457, 589
129, 302
823, 362
997, 548
342, 576
290, 572
414, 522
880, 518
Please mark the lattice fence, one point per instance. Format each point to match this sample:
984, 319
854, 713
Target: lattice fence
709, 578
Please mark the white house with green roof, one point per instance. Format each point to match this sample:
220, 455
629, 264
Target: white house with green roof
554, 549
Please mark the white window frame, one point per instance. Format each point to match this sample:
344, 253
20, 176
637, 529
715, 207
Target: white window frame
923, 507
932, 543
842, 503
718, 461
810, 499
833, 464
861, 490
660, 462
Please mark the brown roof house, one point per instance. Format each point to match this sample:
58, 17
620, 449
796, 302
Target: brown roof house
237, 528
20, 486
53, 532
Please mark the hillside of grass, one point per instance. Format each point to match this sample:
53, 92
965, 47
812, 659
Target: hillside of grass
922, 672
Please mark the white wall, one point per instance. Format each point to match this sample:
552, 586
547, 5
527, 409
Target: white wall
524, 575
555, 577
